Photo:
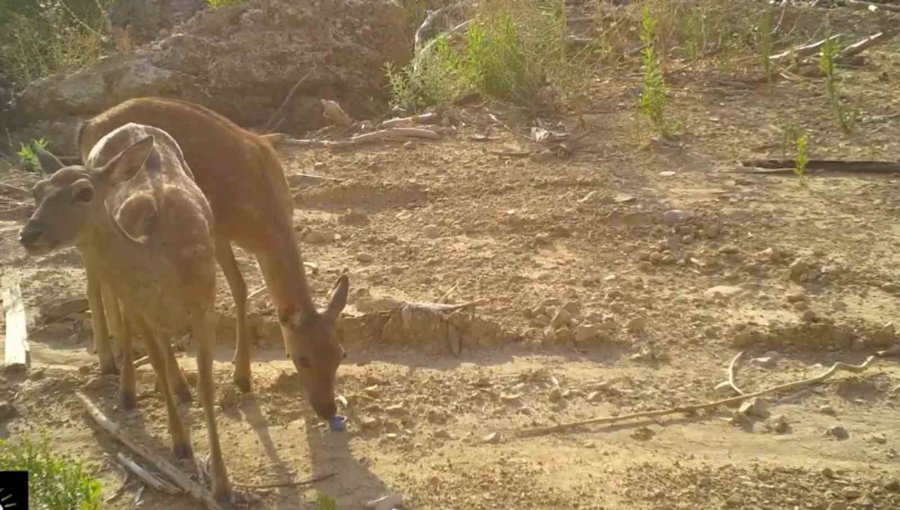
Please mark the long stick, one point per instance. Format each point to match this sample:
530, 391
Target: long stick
276, 485
731, 373
180, 479
148, 477
537, 431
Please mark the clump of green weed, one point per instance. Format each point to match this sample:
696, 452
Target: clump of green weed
827, 55
653, 97
55, 481
27, 153
513, 51
50, 37
215, 4
798, 140
325, 502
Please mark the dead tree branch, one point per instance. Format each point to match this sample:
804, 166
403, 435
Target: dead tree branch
606, 420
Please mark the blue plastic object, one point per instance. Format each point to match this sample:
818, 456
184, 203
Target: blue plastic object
338, 423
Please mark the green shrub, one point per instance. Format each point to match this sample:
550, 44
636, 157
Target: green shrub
38, 39
215, 4
55, 481
27, 153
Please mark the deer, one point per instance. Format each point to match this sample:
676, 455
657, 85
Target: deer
146, 231
241, 176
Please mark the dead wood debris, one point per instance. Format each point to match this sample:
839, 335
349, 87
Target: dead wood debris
786, 166
690, 409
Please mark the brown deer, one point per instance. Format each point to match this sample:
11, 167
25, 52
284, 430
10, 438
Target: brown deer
148, 236
241, 177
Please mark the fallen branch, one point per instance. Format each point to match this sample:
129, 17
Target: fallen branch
787, 165
863, 45
731, 368
870, 6
697, 407
425, 118
147, 477
16, 345
180, 479
799, 52
276, 485
287, 100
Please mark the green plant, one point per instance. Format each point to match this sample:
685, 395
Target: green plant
55, 481
216, 4
801, 158
42, 38
653, 97
325, 502
765, 43
27, 153
827, 55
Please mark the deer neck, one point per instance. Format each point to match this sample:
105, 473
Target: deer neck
285, 277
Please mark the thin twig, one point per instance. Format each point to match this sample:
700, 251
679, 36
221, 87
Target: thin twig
731, 369
296, 483
536, 431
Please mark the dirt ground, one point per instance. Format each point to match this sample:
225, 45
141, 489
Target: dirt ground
663, 300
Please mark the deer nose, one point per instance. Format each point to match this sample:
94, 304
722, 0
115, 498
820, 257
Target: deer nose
31, 233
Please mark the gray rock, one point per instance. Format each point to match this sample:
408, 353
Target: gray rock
829, 410
755, 407
838, 432
674, 216
365, 258
777, 424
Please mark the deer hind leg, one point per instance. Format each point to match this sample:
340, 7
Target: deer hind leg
225, 257
181, 444
98, 321
204, 328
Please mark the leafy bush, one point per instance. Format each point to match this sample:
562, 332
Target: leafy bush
38, 39
27, 153
55, 481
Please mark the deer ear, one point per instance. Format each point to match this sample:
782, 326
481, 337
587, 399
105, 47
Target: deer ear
338, 299
49, 163
127, 163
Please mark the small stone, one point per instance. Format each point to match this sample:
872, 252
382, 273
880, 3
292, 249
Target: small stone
555, 395
442, 434
777, 424
623, 198
564, 336
722, 292
878, 438
838, 432
637, 325
827, 472
594, 396
826, 409
396, 410
755, 407
492, 438
674, 216
365, 258
561, 318
850, 492
369, 423
667, 173
436, 416
94, 383
432, 231
838, 505
728, 249
372, 391
796, 297
765, 362
892, 485
7, 411
84, 370
809, 316
573, 307
540, 321
319, 237
734, 500
799, 270
585, 333
511, 398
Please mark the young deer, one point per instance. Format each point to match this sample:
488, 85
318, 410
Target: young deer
148, 236
239, 173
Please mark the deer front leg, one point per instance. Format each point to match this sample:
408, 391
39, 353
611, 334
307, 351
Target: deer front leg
114, 319
127, 384
204, 329
98, 320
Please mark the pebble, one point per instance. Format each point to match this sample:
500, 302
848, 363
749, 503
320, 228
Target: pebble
892, 485
826, 409
735, 500
850, 492
84, 369
623, 198
319, 237
722, 291
396, 410
368, 422
586, 333
555, 395
674, 216
561, 318
594, 396
492, 438
7, 411
765, 362
777, 424
838, 505
365, 258
755, 407
827, 472
573, 307
372, 391
838, 432
728, 249
432, 231
878, 438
